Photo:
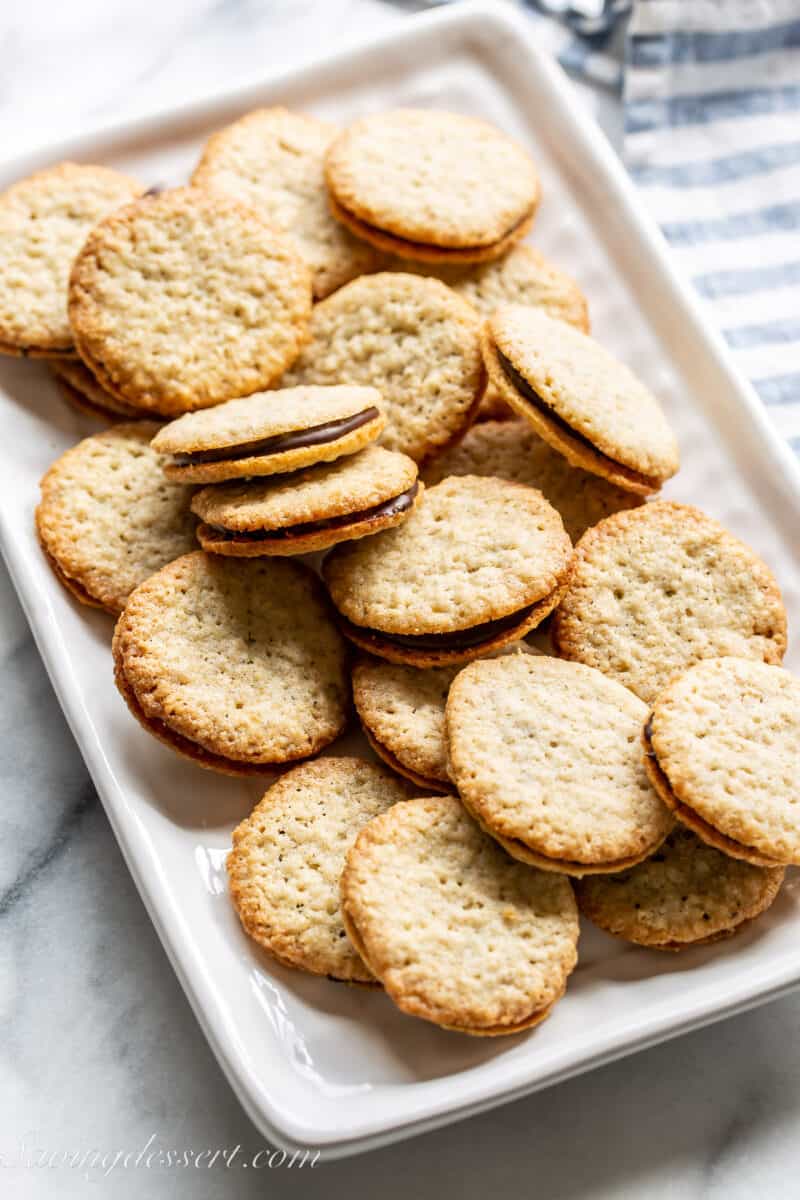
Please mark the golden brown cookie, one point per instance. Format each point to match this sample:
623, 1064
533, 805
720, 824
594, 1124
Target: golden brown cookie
270, 433
309, 510
426, 184
186, 299
236, 665
722, 746
456, 931
477, 565
657, 588
586, 404
288, 855
82, 391
108, 519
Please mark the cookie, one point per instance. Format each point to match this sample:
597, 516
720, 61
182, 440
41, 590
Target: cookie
186, 299
44, 221
512, 450
237, 665
523, 276
80, 389
494, 408
288, 855
432, 185
687, 894
402, 714
272, 160
411, 338
351, 498
722, 746
108, 519
579, 398
270, 432
660, 587
546, 756
479, 563
456, 931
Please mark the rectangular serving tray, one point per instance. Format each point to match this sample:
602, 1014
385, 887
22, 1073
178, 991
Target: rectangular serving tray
317, 1064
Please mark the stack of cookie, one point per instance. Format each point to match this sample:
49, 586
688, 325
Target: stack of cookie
336, 341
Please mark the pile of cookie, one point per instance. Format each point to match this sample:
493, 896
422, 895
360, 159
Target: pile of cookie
335, 343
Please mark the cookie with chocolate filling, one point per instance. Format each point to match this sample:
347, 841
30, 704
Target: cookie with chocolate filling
585, 403
82, 391
44, 221
270, 433
722, 746
456, 931
513, 450
479, 563
186, 299
237, 666
309, 510
288, 855
660, 587
686, 894
431, 185
108, 518
546, 756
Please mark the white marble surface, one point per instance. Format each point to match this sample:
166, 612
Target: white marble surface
99, 1050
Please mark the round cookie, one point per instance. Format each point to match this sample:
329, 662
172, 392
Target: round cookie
80, 389
456, 931
587, 405
479, 564
411, 338
236, 665
512, 450
660, 587
270, 433
546, 756
687, 894
722, 747
108, 519
186, 299
523, 276
273, 160
309, 510
44, 221
402, 710
288, 855
433, 185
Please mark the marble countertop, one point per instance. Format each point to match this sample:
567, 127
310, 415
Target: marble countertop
99, 1049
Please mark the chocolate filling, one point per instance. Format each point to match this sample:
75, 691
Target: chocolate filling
460, 639
520, 384
317, 435
389, 508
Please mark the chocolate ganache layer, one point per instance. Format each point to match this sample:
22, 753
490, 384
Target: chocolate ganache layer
317, 435
388, 508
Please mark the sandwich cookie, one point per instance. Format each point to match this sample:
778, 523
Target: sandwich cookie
273, 161
309, 510
660, 587
165, 288
44, 221
402, 714
414, 340
433, 186
582, 401
512, 450
480, 562
108, 518
270, 433
235, 665
82, 391
456, 931
722, 747
546, 756
686, 894
288, 855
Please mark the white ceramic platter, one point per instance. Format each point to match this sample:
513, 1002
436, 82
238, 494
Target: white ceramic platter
314, 1063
